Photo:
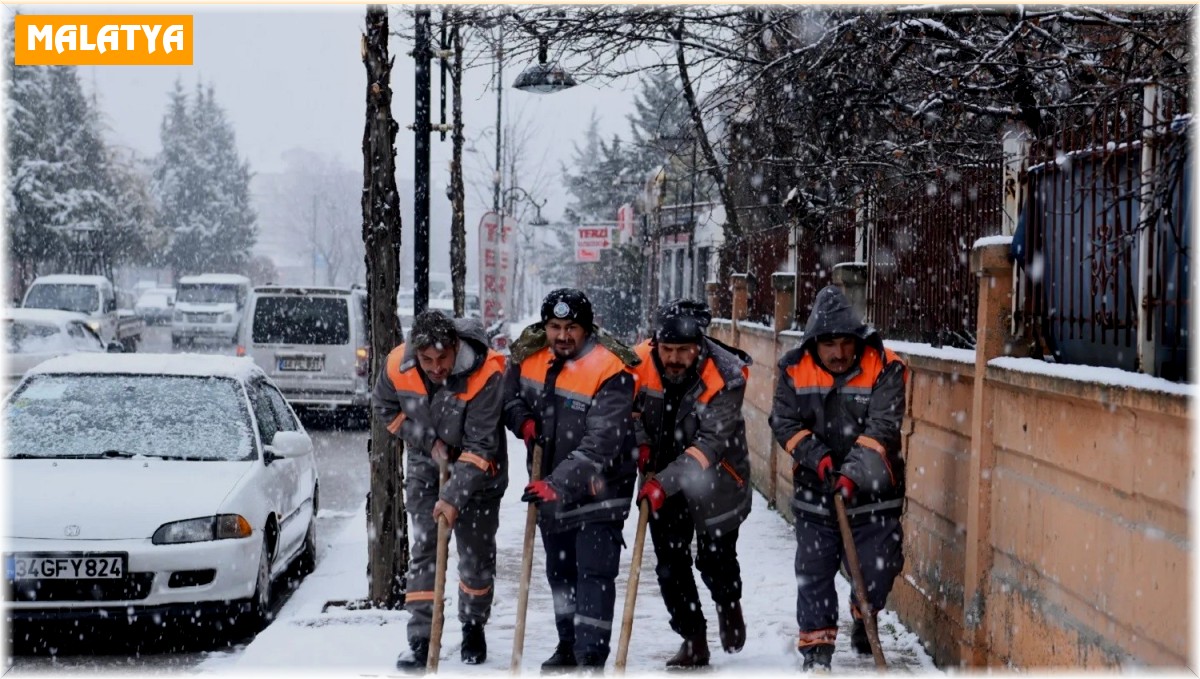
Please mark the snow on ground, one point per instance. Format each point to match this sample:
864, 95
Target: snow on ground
367, 641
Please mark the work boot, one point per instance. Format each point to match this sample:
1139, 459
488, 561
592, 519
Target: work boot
858, 638
415, 659
590, 664
693, 652
732, 627
818, 658
474, 646
563, 659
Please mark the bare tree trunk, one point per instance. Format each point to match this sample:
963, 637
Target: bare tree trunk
458, 233
732, 229
386, 520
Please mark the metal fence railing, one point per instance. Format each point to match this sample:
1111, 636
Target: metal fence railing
1101, 208
919, 284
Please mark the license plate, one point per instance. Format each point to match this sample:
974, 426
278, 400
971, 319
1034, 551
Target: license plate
66, 566
302, 363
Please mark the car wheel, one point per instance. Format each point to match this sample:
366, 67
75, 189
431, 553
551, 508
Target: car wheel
307, 561
260, 604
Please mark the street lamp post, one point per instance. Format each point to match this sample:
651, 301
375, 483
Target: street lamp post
520, 263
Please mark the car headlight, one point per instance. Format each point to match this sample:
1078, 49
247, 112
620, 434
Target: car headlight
219, 527
226, 318
94, 325
179, 316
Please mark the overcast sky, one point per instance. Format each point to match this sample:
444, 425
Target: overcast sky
292, 76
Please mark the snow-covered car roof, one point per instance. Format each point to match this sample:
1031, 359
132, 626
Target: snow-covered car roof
43, 315
299, 290
76, 279
228, 278
182, 365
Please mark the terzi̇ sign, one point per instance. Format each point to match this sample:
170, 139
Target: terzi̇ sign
103, 40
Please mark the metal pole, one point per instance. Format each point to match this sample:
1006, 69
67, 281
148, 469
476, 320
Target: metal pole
496, 179
314, 242
422, 55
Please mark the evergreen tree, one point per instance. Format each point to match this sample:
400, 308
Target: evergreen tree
203, 187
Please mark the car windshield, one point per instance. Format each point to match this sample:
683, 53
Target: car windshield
207, 293
28, 337
172, 417
65, 296
301, 320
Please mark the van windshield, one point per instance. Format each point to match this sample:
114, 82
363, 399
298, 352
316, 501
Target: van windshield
207, 293
301, 320
65, 296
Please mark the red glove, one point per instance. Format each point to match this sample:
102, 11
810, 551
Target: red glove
643, 458
824, 467
653, 491
539, 492
528, 431
846, 487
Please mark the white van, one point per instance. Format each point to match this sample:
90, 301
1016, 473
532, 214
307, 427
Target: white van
92, 296
313, 343
208, 307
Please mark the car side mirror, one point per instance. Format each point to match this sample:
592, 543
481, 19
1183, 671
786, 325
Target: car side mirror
288, 444
115, 348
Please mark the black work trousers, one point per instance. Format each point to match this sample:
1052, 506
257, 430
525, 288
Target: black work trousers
877, 538
671, 529
581, 567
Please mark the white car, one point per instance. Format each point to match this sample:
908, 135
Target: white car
35, 335
146, 485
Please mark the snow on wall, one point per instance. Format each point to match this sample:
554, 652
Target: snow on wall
929, 351
992, 240
1111, 377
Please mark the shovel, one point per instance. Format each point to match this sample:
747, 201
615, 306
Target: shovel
856, 577
526, 569
635, 575
439, 582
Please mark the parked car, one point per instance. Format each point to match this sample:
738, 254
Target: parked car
35, 335
151, 485
93, 296
313, 343
209, 308
445, 302
155, 307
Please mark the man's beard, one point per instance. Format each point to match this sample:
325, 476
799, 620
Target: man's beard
565, 352
676, 378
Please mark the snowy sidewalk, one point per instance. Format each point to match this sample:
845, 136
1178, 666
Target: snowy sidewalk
367, 642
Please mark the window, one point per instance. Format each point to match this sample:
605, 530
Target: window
283, 414
65, 296
83, 337
702, 255
63, 415
263, 412
301, 320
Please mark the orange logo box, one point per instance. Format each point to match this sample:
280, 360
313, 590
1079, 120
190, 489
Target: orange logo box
103, 40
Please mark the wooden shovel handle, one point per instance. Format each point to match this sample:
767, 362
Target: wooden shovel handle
856, 577
526, 569
635, 576
439, 582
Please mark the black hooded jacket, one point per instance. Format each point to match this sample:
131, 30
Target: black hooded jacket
854, 417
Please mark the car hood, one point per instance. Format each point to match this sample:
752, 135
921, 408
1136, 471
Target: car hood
113, 499
193, 308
